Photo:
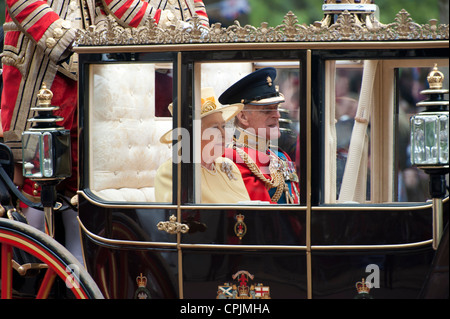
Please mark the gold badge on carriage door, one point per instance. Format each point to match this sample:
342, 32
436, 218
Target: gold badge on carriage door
240, 228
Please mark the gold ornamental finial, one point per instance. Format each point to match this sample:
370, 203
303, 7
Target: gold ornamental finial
44, 96
435, 78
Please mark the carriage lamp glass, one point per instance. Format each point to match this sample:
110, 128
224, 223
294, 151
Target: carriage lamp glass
429, 139
46, 150
46, 154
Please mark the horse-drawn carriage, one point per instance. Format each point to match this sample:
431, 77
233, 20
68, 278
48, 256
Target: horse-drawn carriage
362, 220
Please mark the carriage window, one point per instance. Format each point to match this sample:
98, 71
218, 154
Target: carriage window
247, 124
128, 115
368, 107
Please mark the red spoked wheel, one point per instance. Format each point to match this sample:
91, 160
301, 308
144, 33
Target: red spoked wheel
53, 259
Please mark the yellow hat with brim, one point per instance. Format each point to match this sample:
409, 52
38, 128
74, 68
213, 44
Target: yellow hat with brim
210, 105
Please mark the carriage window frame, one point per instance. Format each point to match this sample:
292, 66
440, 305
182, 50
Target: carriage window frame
380, 130
198, 83
86, 62
121, 116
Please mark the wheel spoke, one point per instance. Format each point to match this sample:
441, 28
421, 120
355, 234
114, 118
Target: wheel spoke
46, 284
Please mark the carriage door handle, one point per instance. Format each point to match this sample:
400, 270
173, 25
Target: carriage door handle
172, 226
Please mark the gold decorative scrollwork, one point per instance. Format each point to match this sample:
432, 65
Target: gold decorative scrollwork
172, 226
346, 28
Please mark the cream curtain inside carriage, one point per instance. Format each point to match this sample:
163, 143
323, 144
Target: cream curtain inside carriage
353, 188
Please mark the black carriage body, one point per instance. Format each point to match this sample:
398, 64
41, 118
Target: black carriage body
314, 249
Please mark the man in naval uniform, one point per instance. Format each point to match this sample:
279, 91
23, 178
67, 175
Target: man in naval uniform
268, 172
37, 49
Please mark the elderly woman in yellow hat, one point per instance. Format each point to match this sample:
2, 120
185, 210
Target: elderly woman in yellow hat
221, 181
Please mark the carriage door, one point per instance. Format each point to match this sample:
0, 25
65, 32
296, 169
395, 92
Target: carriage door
236, 248
125, 108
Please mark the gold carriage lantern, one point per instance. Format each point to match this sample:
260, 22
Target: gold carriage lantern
429, 144
46, 146
46, 153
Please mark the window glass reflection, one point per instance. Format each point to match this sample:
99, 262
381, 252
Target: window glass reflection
124, 129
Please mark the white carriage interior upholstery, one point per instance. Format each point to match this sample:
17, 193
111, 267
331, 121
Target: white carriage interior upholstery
125, 151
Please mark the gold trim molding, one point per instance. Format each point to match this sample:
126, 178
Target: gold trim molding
223, 247
346, 28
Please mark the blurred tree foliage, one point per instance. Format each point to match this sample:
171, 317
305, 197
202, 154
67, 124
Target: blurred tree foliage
309, 11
